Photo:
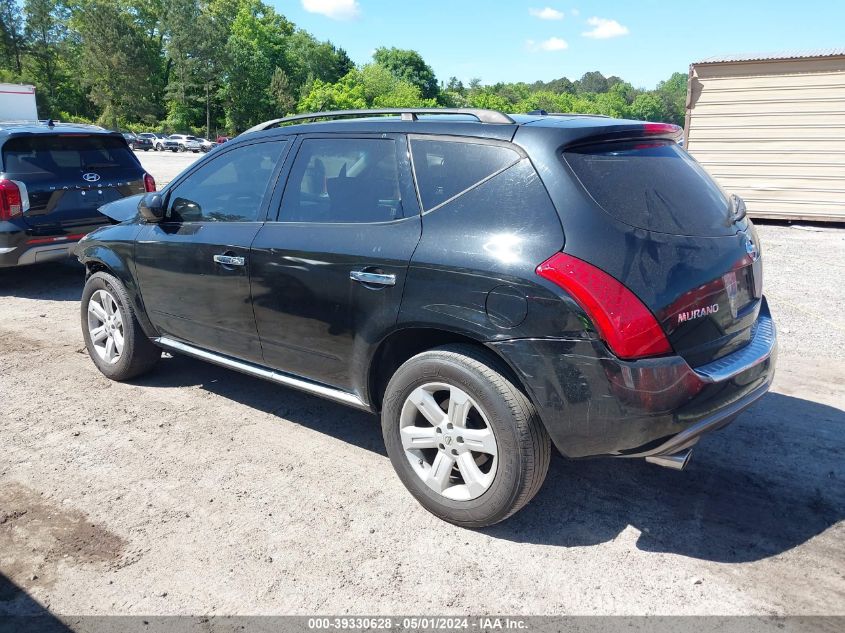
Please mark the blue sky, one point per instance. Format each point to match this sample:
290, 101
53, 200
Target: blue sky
642, 41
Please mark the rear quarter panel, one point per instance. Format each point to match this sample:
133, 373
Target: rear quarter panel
473, 270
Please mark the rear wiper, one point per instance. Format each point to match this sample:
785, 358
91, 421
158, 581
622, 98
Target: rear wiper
738, 209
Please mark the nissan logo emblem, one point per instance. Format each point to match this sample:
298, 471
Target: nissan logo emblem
90, 177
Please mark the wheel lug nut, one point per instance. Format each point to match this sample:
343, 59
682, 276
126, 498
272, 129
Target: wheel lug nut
460, 440
454, 452
438, 430
442, 448
449, 426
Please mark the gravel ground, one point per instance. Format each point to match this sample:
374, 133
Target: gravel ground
197, 490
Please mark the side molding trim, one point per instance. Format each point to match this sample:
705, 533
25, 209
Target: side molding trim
316, 389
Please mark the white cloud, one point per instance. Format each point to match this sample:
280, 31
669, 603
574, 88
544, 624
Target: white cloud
546, 14
334, 9
604, 29
551, 44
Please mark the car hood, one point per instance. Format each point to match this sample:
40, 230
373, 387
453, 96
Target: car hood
123, 209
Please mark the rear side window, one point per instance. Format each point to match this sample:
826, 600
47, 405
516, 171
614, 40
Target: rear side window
447, 168
652, 185
343, 180
66, 154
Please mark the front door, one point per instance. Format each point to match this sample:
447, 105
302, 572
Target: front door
328, 275
193, 268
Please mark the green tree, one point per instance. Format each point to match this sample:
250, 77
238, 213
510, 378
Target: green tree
282, 92
455, 85
410, 66
11, 36
647, 107
311, 59
485, 98
673, 95
346, 94
119, 61
256, 46
45, 31
592, 81
557, 85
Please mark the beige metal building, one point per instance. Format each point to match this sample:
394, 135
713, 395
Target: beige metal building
772, 130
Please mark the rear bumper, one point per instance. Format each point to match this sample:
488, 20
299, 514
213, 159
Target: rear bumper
20, 248
593, 403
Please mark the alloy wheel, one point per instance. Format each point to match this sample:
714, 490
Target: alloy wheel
448, 441
105, 326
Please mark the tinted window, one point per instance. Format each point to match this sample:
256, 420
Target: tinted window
446, 168
653, 185
229, 188
343, 180
66, 154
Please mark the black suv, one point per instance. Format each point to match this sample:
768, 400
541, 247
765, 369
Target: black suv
138, 141
491, 284
52, 179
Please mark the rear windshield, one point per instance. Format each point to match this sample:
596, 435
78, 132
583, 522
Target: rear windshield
652, 185
60, 153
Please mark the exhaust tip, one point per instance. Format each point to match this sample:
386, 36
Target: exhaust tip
678, 461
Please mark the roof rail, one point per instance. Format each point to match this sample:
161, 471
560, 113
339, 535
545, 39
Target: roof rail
407, 114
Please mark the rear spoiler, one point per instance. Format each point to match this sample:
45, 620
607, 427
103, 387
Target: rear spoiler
627, 132
593, 130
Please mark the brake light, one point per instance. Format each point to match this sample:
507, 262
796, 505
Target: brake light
662, 129
11, 202
149, 183
623, 322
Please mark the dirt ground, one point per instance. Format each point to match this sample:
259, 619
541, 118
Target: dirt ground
196, 490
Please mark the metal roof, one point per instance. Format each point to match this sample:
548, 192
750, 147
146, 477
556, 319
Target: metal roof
759, 57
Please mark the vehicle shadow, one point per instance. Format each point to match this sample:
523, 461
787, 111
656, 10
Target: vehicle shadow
55, 281
762, 486
21, 613
358, 428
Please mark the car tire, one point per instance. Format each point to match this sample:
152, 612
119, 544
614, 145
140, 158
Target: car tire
465, 487
107, 312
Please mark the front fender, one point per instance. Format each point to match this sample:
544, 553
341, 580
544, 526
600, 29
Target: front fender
115, 257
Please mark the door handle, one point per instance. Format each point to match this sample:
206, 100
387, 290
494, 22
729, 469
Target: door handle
372, 279
229, 260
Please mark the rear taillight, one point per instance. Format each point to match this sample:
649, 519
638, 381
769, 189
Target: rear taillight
11, 201
623, 322
149, 183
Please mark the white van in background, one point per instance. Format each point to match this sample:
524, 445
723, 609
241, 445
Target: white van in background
17, 102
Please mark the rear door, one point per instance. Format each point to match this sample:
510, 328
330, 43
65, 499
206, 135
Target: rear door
328, 273
690, 254
193, 269
69, 175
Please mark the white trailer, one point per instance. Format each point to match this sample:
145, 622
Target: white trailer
17, 102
